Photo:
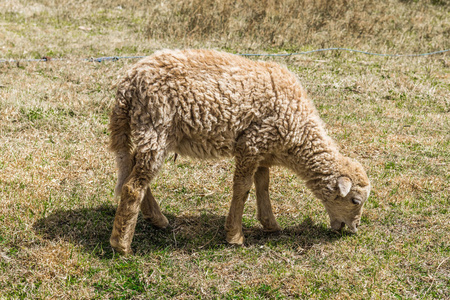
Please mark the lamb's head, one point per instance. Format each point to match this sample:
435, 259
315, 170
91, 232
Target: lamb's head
344, 195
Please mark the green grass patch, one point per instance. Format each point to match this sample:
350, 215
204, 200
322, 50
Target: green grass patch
57, 177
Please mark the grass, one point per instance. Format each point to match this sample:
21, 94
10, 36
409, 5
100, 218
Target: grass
57, 179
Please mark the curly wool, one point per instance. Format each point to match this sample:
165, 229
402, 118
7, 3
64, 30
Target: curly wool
208, 104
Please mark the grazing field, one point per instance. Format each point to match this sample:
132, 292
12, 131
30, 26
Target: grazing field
57, 178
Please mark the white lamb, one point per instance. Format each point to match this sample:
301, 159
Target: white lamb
208, 104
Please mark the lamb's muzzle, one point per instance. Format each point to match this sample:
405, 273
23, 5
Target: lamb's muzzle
207, 104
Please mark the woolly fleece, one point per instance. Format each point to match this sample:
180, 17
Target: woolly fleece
208, 104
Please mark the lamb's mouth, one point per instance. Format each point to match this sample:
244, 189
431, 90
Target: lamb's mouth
352, 228
338, 226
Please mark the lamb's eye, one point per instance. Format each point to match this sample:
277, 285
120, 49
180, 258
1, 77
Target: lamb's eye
356, 201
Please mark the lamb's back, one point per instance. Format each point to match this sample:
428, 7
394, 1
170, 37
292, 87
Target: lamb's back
209, 98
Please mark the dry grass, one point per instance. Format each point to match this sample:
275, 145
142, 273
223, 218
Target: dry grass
56, 178
92, 28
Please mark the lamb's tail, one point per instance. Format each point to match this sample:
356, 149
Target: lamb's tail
120, 142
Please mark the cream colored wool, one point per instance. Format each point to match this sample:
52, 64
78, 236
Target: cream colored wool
208, 104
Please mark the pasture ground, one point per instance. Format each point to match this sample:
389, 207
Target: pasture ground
57, 178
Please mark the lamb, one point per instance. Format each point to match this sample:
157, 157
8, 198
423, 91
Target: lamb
208, 104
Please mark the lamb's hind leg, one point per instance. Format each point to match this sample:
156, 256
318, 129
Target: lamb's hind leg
149, 207
125, 164
151, 211
133, 192
264, 207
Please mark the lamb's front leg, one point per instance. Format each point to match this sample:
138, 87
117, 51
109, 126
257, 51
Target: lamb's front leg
264, 207
242, 183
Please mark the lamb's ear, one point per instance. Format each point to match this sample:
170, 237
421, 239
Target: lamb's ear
344, 185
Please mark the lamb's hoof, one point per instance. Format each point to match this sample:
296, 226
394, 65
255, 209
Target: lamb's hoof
272, 229
160, 222
236, 239
125, 251
128, 252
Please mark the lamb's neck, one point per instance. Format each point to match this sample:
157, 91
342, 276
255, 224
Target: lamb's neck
315, 156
